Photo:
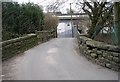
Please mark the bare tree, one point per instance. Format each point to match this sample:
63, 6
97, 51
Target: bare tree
98, 12
55, 6
50, 22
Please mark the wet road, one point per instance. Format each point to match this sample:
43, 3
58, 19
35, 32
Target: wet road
57, 59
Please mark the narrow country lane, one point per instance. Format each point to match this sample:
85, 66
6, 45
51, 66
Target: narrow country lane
57, 59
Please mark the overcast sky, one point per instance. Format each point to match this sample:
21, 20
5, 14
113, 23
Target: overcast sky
46, 2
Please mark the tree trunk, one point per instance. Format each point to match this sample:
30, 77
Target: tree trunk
117, 23
92, 28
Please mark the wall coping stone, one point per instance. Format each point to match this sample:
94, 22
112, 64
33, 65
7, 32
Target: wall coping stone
100, 45
17, 39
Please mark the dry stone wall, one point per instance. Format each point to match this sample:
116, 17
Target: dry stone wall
44, 36
18, 45
15, 46
99, 52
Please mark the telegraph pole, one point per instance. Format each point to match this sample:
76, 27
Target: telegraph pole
71, 18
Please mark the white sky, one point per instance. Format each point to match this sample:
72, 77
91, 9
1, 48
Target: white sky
46, 2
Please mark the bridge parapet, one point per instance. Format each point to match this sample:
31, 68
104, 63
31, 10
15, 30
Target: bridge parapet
74, 17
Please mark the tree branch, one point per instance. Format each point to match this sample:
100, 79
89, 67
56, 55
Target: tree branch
88, 12
89, 6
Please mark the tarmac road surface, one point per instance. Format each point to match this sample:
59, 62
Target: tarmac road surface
57, 59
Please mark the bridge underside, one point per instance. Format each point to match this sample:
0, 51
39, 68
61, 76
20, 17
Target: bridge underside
65, 29
67, 20
82, 17
73, 19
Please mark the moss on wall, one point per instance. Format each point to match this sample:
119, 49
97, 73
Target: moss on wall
99, 52
18, 45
